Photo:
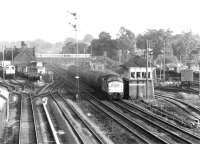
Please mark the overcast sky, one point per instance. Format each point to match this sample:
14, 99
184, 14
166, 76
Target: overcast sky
48, 19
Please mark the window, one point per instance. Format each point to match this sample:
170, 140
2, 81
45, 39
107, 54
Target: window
149, 75
133, 74
143, 74
138, 74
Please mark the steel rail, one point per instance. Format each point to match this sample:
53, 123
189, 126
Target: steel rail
119, 118
169, 96
92, 131
185, 133
20, 121
69, 122
34, 121
51, 124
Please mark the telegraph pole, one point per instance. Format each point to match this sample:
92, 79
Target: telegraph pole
3, 63
12, 54
164, 60
199, 79
147, 43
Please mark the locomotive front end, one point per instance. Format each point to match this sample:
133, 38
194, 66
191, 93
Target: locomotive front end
115, 88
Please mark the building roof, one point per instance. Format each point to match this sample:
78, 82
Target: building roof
25, 56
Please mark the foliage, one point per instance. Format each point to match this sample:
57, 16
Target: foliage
8, 53
126, 42
104, 36
71, 48
157, 39
45, 47
184, 43
87, 38
104, 46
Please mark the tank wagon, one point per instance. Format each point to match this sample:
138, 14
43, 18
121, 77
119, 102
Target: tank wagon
109, 83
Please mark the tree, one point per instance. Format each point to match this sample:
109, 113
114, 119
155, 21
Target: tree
104, 36
104, 44
41, 45
126, 42
70, 48
157, 39
8, 53
87, 39
184, 43
69, 40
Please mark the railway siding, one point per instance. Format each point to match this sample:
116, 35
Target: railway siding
59, 123
161, 123
188, 107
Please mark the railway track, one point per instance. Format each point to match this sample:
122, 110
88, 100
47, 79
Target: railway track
173, 138
81, 138
42, 126
34, 127
195, 112
142, 139
27, 130
170, 116
160, 123
144, 134
180, 89
126, 127
128, 123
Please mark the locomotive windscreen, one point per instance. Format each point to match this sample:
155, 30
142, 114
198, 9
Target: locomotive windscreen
114, 78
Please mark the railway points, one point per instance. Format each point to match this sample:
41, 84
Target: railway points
190, 109
126, 89
64, 119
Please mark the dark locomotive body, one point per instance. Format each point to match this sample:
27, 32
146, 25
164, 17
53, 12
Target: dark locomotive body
109, 83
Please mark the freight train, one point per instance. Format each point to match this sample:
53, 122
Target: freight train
109, 83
